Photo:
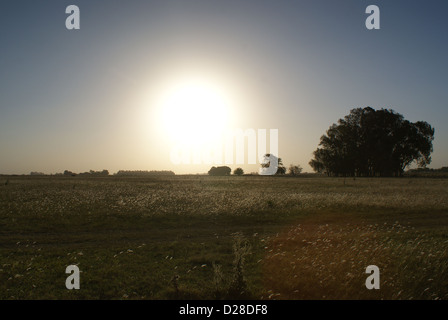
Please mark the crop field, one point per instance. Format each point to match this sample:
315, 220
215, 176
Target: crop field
201, 237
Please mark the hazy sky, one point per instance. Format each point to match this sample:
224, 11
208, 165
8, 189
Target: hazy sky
94, 98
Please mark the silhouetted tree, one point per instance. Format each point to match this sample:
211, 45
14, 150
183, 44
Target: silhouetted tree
294, 170
98, 173
220, 171
69, 173
238, 171
370, 142
267, 161
281, 168
35, 173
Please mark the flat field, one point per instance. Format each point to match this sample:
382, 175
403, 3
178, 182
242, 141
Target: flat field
201, 237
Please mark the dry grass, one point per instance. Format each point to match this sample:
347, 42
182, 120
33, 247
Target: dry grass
328, 261
215, 195
310, 238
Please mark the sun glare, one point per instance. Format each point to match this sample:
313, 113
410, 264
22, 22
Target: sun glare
194, 112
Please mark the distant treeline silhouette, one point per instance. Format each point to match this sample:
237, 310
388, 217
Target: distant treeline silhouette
427, 172
144, 173
443, 169
69, 173
106, 173
370, 142
35, 173
95, 173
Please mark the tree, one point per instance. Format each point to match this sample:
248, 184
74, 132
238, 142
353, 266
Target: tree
34, 173
277, 165
281, 168
99, 173
294, 170
69, 173
370, 142
220, 171
238, 171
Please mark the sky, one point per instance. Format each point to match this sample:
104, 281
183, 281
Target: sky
142, 77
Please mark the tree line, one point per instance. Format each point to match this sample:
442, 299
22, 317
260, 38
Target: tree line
365, 143
105, 172
293, 169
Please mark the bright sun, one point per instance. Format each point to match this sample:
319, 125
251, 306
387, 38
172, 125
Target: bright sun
194, 112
